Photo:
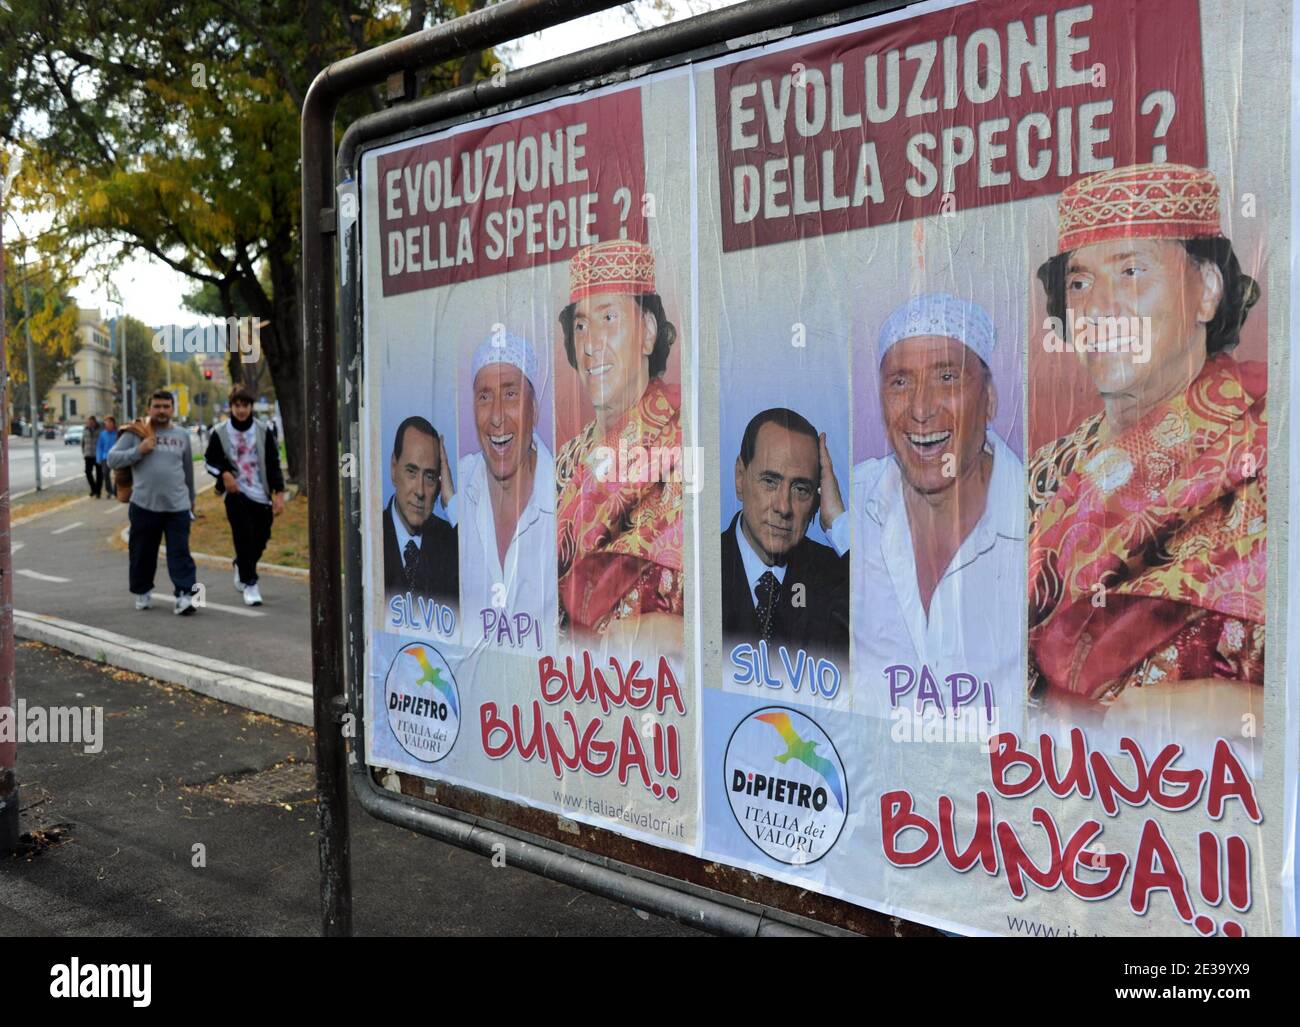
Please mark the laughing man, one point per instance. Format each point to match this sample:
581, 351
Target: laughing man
939, 522
504, 507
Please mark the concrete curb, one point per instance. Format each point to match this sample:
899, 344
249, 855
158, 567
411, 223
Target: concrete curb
52, 485
212, 560
285, 698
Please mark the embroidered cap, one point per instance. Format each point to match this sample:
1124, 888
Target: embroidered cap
618, 265
1141, 201
939, 313
505, 348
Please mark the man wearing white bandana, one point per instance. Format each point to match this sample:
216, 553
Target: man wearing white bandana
504, 505
937, 525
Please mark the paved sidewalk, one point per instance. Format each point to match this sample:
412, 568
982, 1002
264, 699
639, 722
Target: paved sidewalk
179, 770
66, 566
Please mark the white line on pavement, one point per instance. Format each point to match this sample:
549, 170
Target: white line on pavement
242, 611
16, 546
42, 577
66, 527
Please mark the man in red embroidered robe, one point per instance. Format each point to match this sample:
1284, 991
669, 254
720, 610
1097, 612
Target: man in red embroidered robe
1147, 534
619, 482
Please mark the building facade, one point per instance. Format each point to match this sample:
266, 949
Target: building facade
87, 386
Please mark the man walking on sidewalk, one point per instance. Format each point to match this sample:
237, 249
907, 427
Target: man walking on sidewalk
244, 458
89, 439
107, 439
162, 501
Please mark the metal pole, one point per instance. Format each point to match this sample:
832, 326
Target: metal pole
8, 750
635, 53
596, 875
120, 346
126, 414
32, 400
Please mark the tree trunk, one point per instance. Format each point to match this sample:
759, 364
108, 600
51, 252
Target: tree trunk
284, 359
233, 366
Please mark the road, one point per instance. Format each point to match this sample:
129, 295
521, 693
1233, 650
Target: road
67, 464
66, 565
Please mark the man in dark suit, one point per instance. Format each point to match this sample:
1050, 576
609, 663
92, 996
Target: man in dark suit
778, 585
420, 554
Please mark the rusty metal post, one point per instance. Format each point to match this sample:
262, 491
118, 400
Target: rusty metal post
9, 749
322, 491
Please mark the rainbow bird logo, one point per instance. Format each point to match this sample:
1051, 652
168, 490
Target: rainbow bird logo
433, 676
805, 752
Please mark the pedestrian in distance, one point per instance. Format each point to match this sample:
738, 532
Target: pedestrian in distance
161, 461
243, 456
89, 439
106, 440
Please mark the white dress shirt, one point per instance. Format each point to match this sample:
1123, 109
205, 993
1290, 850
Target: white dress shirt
755, 568
977, 611
526, 583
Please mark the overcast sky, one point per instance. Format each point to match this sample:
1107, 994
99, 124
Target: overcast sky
152, 292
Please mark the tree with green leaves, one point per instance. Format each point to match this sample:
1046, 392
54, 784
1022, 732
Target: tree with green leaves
52, 315
172, 128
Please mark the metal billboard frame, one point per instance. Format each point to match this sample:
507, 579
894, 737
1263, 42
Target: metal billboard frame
462, 816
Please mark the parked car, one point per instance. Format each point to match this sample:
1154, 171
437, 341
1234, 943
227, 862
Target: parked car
73, 436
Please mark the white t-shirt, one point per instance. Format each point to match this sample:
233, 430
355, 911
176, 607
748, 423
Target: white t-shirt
243, 450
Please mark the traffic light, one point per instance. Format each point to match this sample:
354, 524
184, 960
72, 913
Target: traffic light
207, 373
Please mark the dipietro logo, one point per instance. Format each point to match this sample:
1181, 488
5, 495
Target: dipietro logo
786, 784
423, 702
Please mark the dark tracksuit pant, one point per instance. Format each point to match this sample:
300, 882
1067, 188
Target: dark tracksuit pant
250, 529
94, 475
148, 528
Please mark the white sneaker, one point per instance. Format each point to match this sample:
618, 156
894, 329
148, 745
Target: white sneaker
184, 604
239, 585
143, 602
252, 597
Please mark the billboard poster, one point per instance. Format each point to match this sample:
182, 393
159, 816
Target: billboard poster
528, 336
847, 459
